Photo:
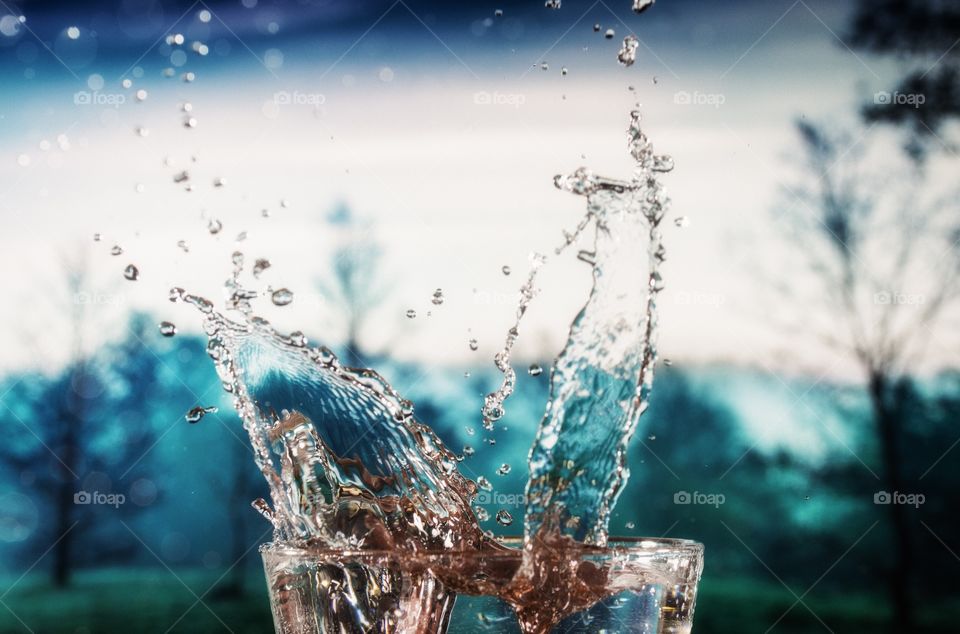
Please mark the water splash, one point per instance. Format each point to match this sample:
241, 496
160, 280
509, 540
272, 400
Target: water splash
601, 381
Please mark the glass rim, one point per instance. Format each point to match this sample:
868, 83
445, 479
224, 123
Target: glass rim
615, 545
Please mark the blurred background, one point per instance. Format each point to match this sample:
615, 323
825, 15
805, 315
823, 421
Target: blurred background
804, 420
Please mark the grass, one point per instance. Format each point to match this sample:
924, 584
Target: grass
134, 600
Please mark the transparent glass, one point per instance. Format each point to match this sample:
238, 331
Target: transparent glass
633, 585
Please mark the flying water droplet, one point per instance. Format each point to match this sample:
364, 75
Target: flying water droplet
534, 370
484, 484
639, 6
609, 34
411, 314
681, 221
596, 28
437, 297
282, 297
197, 413
498, 13
482, 514
260, 266
552, 4
183, 246
473, 344
116, 250
176, 294
132, 273
504, 518
506, 270
141, 95
631, 526
214, 226
504, 469
167, 329
628, 51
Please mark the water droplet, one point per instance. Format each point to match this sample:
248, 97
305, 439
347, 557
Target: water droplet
116, 250
498, 13
176, 294
126, 83
132, 273
484, 484
534, 370
219, 181
260, 266
596, 28
96, 237
504, 469
265, 213
482, 514
552, 4
181, 177
505, 269
141, 95
652, 437
504, 518
73, 32
141, 131
214, 226
639, 6
167, 329
544, 66
631, 526
668, 362
190, 122
628, 51
197, 413
188, 77
282, 297
183, 246
681, 221
564, 71
411, 314
609, 34
473, 344
437, 297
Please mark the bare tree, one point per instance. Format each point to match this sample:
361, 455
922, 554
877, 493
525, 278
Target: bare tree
356, 287
882, 268
922, 36
57, 426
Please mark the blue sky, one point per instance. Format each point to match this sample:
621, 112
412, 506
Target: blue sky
436, 121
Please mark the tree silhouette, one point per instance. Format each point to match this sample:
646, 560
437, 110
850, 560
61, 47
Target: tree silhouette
883, 271
924, 35
356, 287
81, 431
